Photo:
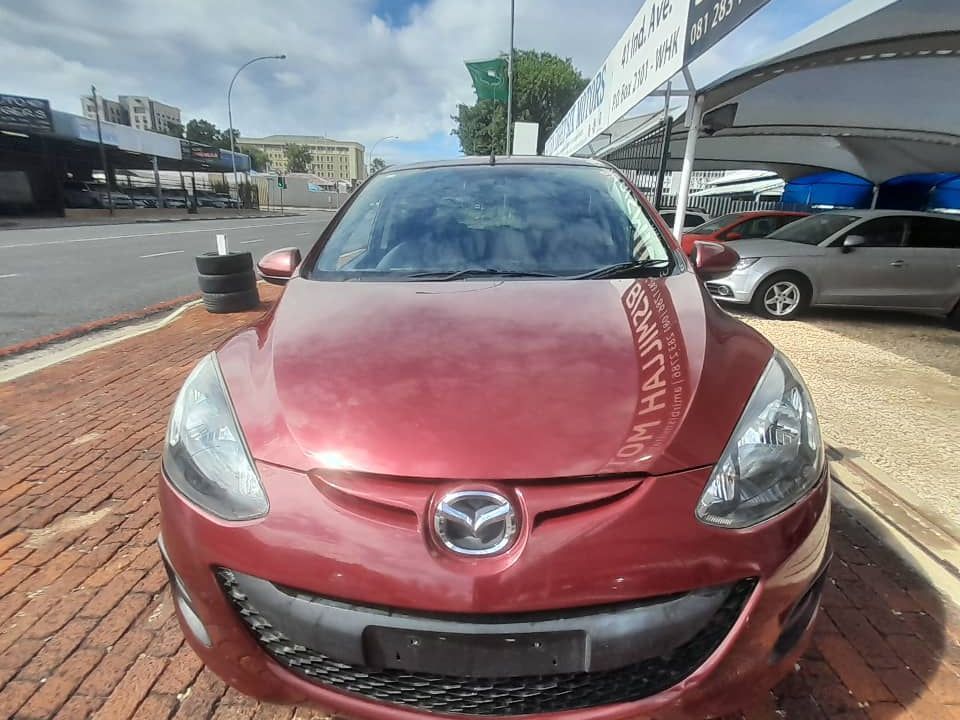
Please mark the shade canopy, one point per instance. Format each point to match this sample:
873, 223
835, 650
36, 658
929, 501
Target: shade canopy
868, 90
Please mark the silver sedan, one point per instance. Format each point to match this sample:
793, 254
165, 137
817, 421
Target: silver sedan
893, 260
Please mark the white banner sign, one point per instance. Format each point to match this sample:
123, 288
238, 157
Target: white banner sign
648, 54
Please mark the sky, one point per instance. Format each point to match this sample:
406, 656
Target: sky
355, 69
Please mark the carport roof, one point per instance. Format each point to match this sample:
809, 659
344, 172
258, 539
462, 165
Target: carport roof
867, 90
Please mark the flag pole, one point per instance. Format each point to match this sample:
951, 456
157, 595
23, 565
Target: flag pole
510, 81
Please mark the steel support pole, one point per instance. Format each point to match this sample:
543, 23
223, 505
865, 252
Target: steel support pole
689, 154
664, 148
103, 152
156, 183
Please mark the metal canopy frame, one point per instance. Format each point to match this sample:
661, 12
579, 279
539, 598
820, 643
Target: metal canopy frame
866, 90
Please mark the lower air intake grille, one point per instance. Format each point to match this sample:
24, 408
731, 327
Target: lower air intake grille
494, 696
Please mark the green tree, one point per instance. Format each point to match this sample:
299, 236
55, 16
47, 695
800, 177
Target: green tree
298, 157
377, 164
258, 158
174, 129
201, 131
223, 141
544, 88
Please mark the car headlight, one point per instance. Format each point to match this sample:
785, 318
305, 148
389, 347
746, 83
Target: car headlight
744, 263
774, 457
205, 456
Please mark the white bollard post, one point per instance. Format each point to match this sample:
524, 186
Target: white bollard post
222, 244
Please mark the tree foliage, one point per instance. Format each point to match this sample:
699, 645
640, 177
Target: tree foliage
258, 158
298, 157
224, 140
204, 131
545, 87
377, 164
174, 129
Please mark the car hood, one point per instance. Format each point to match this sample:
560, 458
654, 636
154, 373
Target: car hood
493, 380
769, 247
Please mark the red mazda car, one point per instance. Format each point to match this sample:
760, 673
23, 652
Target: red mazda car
739, 226
496, 452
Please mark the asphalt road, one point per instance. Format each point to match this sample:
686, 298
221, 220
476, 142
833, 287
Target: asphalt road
56, 278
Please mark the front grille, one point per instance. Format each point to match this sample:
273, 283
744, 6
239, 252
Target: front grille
493, 696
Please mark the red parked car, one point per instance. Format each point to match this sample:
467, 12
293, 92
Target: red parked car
739, 226
495, 451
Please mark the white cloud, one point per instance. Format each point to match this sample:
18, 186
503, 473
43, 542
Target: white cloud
348, 74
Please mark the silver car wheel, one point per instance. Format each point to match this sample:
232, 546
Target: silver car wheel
782, 298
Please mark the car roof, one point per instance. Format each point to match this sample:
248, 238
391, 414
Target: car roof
769, 213
891, 213
474, 160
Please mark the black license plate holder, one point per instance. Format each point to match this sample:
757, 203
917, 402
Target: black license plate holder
476, 655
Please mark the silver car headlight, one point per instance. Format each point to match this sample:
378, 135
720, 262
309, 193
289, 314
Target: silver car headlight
744, 263
774, 457
205, 455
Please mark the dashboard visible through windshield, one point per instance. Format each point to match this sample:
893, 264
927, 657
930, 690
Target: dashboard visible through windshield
508, 220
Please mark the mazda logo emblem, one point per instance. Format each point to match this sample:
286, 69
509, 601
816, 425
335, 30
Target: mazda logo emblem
473, 522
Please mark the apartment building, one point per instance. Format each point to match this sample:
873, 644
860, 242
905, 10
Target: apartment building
148, 114
110, 110
137, 111
332, 159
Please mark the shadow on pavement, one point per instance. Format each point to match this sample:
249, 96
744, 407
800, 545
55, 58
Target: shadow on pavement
884, 645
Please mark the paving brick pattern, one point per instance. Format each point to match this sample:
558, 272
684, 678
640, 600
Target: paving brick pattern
86, 622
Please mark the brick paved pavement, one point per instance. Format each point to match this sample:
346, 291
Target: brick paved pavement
86, 623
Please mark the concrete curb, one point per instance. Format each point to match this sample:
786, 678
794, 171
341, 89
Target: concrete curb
47, 357
86, 329
928, 544
144, 221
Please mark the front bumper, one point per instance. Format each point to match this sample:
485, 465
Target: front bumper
732, 621
739, 286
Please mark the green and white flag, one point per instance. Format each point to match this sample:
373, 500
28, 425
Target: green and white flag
489, 78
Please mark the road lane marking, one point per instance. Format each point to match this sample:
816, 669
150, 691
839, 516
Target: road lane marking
169, 252
302, 234
172, 232
247, 242
9, 275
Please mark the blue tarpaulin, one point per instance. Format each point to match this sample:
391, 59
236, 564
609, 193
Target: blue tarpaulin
829, 189
912, 192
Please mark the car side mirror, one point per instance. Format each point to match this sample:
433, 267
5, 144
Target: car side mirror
277, 267
713, 260
733, 236
852, 241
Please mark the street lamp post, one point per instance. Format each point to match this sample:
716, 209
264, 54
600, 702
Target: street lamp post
233, 157
383, 139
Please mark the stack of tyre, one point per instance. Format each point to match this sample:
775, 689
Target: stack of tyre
227, 282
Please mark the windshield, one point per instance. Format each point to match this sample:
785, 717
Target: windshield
718, 224
813, 230
510, 219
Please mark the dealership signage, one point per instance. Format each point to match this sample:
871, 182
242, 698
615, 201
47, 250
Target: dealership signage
201, 153
711, 20
25, 114
663, 37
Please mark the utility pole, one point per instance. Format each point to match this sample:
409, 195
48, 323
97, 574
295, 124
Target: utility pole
156, 182
233, 156
103, 153
510, 81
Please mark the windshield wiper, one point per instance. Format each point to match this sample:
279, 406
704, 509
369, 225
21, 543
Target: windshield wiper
442, 276
618, 268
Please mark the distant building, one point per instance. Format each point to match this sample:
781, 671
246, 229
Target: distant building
332, 159
138, 111
110, 110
